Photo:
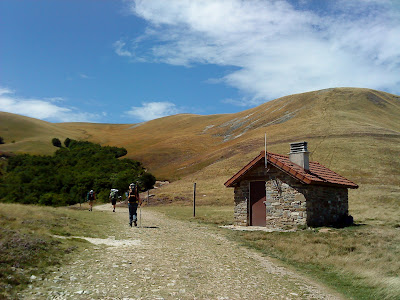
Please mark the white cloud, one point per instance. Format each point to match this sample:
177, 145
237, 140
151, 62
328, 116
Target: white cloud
277, 49
44, 109
153, 110
119, 47
84, 76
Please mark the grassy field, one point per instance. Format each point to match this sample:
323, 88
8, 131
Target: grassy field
360, 262
354, 132
28, 246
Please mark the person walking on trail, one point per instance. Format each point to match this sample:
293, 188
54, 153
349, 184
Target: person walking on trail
91, 197
113, 197
133, 202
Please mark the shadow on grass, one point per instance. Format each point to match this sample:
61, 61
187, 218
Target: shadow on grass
149, 227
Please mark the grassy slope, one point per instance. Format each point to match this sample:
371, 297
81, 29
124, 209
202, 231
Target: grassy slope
23, 134
355, 132
28, 246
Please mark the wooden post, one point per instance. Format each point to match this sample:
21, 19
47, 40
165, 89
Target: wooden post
148, 196
194, 200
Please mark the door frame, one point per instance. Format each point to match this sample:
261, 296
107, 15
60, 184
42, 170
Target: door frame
249, 203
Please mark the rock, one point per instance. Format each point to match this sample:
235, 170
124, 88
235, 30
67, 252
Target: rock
32, 278
81, 292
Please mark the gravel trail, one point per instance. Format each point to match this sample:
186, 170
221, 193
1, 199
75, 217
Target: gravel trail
170, 259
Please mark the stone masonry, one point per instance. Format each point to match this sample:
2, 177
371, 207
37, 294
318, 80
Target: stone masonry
290, 203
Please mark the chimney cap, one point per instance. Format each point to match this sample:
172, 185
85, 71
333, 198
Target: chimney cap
298, 147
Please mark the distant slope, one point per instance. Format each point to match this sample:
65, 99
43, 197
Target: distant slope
354, 131
29, 135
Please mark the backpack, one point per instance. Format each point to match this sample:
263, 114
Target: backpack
132, 198
114, 194
90, 196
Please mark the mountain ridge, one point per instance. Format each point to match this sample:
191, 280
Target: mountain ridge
178, 145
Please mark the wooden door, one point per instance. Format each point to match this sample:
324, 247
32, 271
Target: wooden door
258, 212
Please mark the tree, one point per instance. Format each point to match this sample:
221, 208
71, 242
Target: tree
67, 142
147, 180
65, 177
1, 140
56, 142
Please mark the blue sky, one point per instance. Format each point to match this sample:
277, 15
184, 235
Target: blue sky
133, 61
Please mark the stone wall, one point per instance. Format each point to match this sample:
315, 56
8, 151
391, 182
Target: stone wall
241, 196
326, 205
289, 203
285, 203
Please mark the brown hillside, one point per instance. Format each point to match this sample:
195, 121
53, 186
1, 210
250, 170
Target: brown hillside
356, 132
28, 135
175, 146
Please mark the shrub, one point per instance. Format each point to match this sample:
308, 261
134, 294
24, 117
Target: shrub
56, 142
67, 176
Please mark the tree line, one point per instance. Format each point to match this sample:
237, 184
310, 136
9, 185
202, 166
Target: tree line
65, 177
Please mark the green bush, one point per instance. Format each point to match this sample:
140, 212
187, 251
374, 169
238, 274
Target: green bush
67, 176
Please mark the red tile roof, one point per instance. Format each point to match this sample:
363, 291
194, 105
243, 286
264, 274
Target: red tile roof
318, 174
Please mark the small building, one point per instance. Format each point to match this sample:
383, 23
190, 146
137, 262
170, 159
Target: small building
289, 191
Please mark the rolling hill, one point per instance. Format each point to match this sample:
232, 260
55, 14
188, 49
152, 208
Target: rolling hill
355, 132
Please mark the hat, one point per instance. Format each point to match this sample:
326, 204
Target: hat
132, 185
91, 192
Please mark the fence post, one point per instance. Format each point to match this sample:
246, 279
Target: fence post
194, 199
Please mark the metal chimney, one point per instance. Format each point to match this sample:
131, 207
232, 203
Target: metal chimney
299, 154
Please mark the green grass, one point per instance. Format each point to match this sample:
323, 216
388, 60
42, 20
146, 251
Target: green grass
28, 246
360, 262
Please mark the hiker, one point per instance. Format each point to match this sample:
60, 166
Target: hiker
113, 197
91, 197
133, 202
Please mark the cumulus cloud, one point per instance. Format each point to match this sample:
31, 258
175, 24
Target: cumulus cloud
44, 109
277, 48
153, 110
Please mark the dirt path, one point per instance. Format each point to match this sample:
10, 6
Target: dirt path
169, 259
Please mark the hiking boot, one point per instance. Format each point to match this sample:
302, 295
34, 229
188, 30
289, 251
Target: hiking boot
113, 210
135, 223
130, 224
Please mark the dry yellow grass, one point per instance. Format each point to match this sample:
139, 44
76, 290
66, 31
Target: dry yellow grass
355, 132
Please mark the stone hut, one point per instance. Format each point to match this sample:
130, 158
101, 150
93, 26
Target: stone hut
289, 191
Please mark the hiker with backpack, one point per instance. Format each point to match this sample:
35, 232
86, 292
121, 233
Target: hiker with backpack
91, 197
113, 197
133, 203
